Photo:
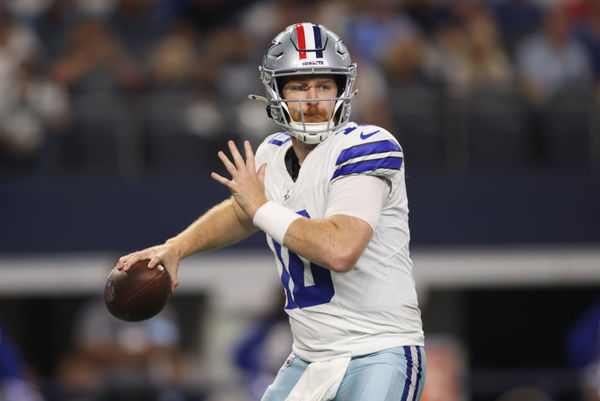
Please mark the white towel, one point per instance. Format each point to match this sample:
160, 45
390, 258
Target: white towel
320, 381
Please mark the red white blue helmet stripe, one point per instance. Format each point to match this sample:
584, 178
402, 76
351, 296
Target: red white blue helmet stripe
310, 45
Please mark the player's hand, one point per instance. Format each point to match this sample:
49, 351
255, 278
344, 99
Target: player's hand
247, 185
164, 254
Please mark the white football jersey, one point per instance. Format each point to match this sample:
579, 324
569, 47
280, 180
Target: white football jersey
374, 306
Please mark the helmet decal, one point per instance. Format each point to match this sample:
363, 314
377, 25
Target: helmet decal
309, 38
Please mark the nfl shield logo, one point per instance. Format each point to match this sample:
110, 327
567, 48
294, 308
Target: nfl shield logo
109, 291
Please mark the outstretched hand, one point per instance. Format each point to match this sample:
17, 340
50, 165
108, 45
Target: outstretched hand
247, 185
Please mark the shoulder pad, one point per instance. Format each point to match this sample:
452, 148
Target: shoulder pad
370, 150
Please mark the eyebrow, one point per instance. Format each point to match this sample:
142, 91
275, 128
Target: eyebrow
303, 81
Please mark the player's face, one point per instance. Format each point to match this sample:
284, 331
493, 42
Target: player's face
310, 87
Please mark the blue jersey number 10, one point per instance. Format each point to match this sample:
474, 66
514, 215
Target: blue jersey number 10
303, 295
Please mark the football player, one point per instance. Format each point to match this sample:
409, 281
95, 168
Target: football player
330, 196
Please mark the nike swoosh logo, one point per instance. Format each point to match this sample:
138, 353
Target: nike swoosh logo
363, 136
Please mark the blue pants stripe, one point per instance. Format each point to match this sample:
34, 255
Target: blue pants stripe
419, 374
409, 368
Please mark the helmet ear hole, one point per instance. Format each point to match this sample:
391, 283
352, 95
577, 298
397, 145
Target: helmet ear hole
280, 82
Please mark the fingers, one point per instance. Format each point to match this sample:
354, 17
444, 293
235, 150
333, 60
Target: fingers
125, 262
220, 179
261, 172
231, 168
238, 168
235, 154
154, 261
238, 163
249, 156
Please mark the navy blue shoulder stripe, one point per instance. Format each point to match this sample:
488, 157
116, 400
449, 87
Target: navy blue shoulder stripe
280, 141
391, 163
368, 148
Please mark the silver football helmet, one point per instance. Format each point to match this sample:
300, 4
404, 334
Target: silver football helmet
303, 49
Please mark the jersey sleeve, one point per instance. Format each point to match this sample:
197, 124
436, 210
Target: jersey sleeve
360, 196
369, 150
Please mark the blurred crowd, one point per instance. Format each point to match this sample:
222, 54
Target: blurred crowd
135, 86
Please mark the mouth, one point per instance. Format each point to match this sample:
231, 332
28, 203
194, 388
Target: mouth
314, 118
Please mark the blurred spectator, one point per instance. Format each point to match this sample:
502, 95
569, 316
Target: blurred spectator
210, 15
583, 351
555, 76
429, 15
179, 123
334, 14
371, 101
409, 61
386, 94
17, 44
94, 8
173, 57
114, 360
375, 26
31, 109
262, 20
552, 59
53, 26
413, 93
31, 106
173, 65
488, 64
517, 19
138, 25
231, 50
94, 60
470, 54
15, 385
586, 16
203, 116
103, 82
447, 366
27, 11
235, 61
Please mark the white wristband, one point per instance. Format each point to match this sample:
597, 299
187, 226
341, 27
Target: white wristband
274, 219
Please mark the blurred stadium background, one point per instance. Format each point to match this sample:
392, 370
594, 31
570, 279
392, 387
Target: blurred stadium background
111, 114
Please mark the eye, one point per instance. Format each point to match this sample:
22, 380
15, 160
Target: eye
297, 87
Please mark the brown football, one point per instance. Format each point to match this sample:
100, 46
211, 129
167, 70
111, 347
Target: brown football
138, 293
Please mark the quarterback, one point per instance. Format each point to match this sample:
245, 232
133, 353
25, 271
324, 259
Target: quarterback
331, 198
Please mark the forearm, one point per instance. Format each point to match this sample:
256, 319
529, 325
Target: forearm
223, 225
335, 243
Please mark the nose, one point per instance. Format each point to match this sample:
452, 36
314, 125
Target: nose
311, 93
